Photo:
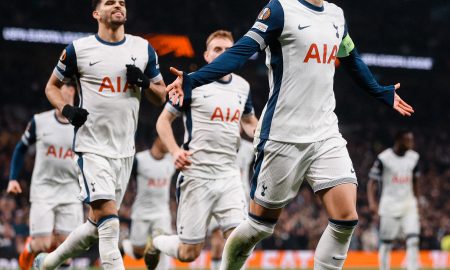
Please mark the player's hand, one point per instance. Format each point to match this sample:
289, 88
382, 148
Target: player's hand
136, 77
373, 209
401, 106
13, 187
175, 89
76, 116
182, 159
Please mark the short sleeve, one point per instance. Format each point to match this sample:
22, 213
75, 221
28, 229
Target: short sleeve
268, 25
248, 108
377, 170
29, 136
67, 68
416, 170
152, 68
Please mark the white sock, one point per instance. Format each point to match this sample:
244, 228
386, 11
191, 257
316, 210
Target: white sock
167, 244
164, 262
128, 248
384, 255
215, 264
242, 241
332, 249
108, 243
78, 241
412, 253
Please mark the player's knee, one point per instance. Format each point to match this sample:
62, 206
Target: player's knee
42, 244
412, 240
188, 253
349, 214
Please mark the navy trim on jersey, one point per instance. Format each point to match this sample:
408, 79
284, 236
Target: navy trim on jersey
57, 120
110, 43
224, 81
248, 108
86, 187
17, 160
75, 129
70, 61
311, 6
276, 63
361, 74
31, 138
106, 218
188, 113
345, 31
178, 190
257, 167
152, 68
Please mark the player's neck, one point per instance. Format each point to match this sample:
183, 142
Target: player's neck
226, 78
399, 151
318, 3
156, 153
110, 34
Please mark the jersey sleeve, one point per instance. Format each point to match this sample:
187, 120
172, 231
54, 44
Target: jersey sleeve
178, 110
152, 68
18, 157
268, 25
248, 108
377, 170
29, 136
67, 67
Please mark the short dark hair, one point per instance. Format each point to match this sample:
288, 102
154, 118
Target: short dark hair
399, 135
95, 3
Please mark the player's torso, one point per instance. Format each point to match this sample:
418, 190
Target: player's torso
397, 186
112, 103
302, 60
153, 185
212, 127
54, 166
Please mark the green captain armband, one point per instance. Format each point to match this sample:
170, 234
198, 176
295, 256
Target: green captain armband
346, 46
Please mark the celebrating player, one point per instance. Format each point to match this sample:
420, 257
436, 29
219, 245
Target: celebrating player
55, 210
298, 136
112, 69
209, 184
396, 171
150, 215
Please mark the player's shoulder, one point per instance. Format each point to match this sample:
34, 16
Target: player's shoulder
332, 7
44, 115
141, 154
138, 41
412, 154
385, 154
240, 80
84, 42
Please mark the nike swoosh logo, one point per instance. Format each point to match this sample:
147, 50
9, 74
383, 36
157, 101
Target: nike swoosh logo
302, 27
207, 96
338, 258
91, 64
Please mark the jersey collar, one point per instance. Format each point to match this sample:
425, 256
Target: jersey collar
110, 43
311, 6
225, 82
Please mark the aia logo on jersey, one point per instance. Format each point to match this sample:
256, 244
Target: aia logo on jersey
401, 179
319, 54
226, 115
59, 152
157, 183
107, 85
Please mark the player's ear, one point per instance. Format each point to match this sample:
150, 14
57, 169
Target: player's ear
95, 14
205, 56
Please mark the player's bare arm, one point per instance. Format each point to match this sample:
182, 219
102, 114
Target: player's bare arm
248, 124
156, 93
165, 132
372, 189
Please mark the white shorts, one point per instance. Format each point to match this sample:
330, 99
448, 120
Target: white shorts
141, 229
281, 167
103, 178
392, 228
46, 218
201, 199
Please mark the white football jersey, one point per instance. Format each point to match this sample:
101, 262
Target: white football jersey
212, 115
301, 43
153, 185
55, 177
113, 105
244, 160
396, 174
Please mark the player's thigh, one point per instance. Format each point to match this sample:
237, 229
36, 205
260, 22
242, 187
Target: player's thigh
42, 219
68, 217
139, 232
161, 224
279, 172
331, 165
195, 201
389, 228
122, 168
230, 208
411, 223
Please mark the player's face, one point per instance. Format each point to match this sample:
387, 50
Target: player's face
111, 12
160, 145
216, 47
407, 141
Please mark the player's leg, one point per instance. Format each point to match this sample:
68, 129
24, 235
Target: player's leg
411, 227
276, 181
332, 177
217, 243
389, 230
41, 229
135, 246
162, 225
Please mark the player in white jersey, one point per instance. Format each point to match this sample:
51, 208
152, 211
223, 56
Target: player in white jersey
150, 214
244, 160
209, 184
112, 68
298, 136
55, 210
396, 171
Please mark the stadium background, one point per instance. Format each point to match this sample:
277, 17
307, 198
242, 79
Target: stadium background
392, 32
